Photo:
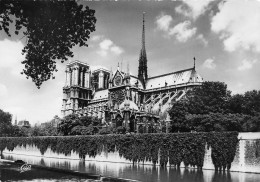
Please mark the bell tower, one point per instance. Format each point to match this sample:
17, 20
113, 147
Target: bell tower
142, 69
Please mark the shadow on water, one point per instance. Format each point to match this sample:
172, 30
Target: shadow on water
13, 173
145, 173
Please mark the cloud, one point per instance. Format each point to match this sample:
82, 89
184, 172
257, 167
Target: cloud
238, 25
106, 46
182, 31
10, 53
117, 50
209, 63
201, 38
96, 38
246, 64
3, 90
163, 22
192, 8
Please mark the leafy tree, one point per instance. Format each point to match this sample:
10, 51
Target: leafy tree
209, 97
5, 123
236, 103
177, 114
86, 120
77, 130
18, 132
90, 130
51, 29
49, 130
252, 102
105, 130
37, 131
251, 123
67, 123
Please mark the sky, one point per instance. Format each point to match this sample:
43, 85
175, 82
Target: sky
224, 36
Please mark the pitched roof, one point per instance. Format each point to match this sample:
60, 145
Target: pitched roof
133, 81
175, 78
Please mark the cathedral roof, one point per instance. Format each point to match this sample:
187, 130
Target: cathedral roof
175, 78
133, 81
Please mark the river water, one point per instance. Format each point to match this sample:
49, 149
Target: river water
145, 173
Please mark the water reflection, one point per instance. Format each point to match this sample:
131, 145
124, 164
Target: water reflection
11, 172
145, 173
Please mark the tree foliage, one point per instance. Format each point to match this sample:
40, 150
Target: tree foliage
172, 148
51, 29
5, 123
210, 97
211, 107
248, 103
75, 125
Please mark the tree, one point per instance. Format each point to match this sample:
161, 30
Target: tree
5, 123
236, 103
252, 102
51, 29
177, 113
209, 97
18, 132
86, 120
67, 123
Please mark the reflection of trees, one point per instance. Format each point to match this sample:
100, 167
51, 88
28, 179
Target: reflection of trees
221, 176
42, 162
193, 175
174, 174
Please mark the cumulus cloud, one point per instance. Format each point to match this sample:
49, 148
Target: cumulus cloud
238, 25
209, 63
117, 50
192, 8
182, 31
163, 22
246, 64
106, 46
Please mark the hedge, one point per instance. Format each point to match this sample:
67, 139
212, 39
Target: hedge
173, 148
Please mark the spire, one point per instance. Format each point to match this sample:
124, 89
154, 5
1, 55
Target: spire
143, 35
142, 69
194, 62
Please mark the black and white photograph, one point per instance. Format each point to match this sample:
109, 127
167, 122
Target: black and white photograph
130, 90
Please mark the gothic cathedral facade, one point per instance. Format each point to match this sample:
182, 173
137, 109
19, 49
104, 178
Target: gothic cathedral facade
120, 99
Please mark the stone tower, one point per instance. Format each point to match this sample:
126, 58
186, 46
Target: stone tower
77, 91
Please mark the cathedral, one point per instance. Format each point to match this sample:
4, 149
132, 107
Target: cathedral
138, 103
